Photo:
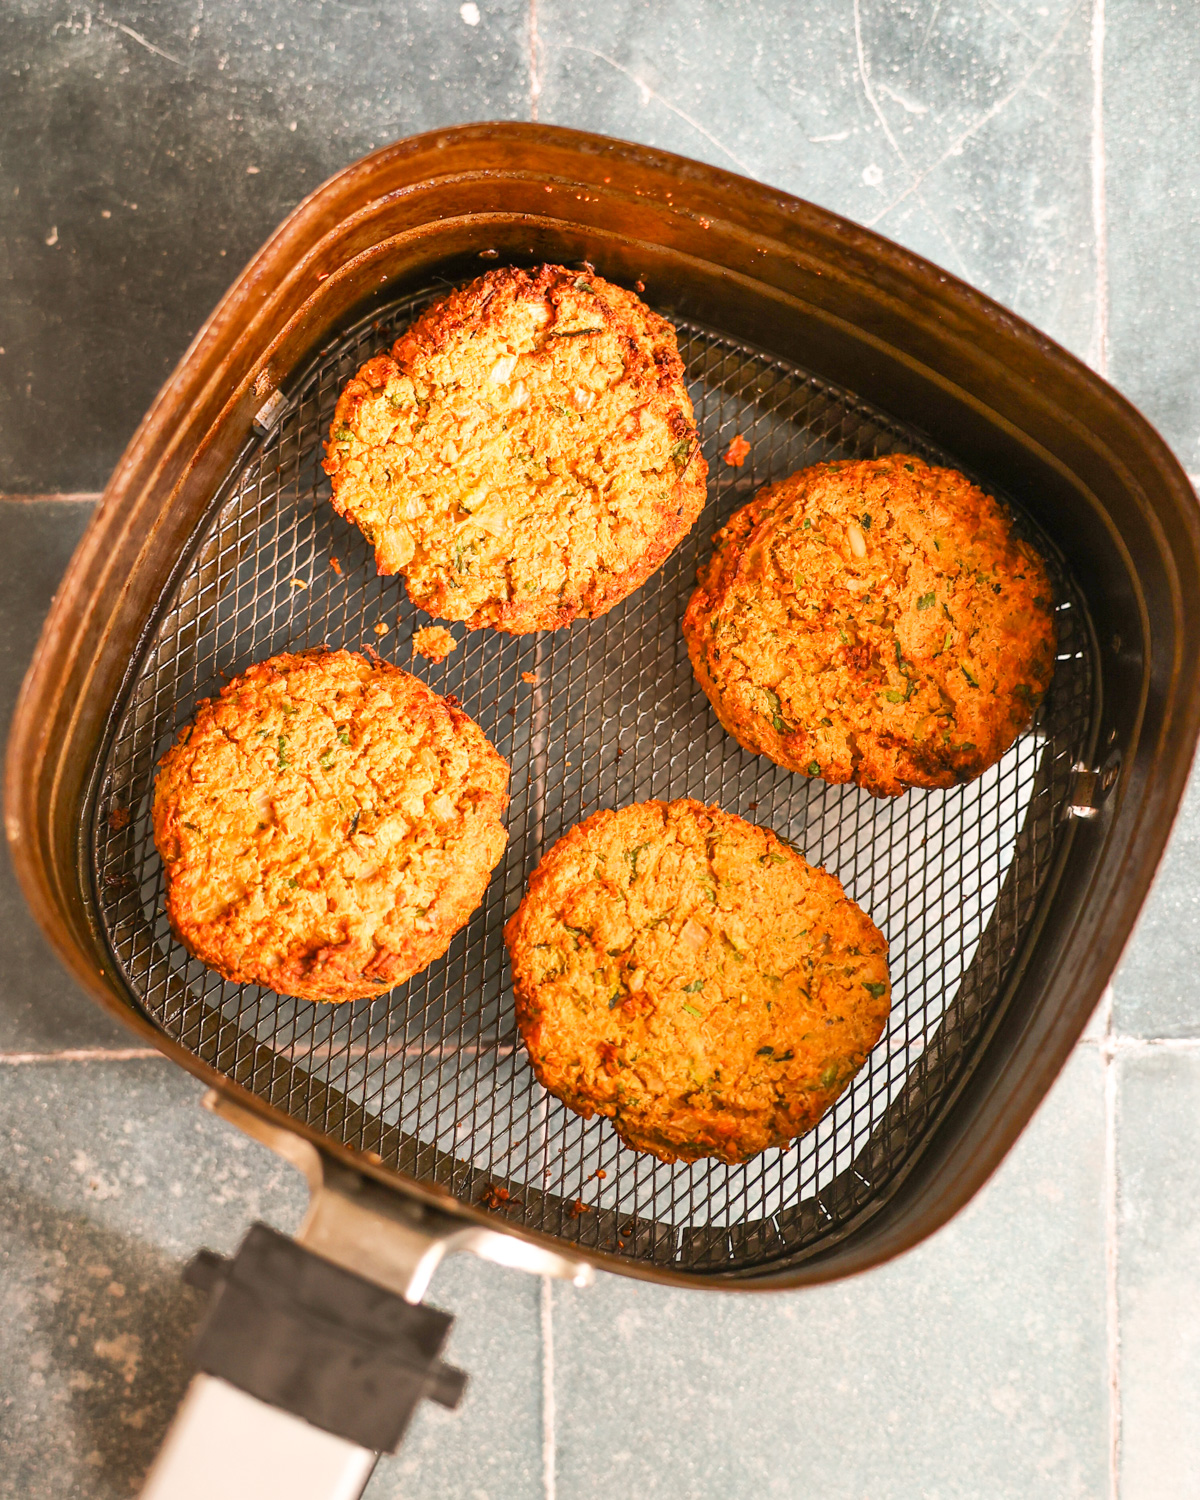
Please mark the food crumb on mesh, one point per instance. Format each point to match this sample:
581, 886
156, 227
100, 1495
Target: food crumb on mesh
381, 627
530, 677
299, 583
735, 454
336, 566
118, 818
495, 1196
579, 1207
434, 642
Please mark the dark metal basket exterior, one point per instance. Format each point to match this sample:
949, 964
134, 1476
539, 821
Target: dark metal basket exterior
810, 337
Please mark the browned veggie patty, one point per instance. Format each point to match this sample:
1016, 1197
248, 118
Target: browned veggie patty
876, 622
692, 977
327, 825
526, 454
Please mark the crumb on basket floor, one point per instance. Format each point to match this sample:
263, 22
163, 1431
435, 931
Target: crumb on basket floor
530, 677
434, 642
735, 454
494, 1196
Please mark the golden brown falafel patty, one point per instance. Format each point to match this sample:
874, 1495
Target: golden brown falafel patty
327, 825
526, 454
691, 976
873, 621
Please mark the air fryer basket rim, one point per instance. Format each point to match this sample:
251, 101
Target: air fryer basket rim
680, 208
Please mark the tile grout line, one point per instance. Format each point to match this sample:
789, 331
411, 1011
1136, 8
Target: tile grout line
1099, 193
549, 1470
1117, 1044
535, 72
79, 1054
54, 497
1112, 1308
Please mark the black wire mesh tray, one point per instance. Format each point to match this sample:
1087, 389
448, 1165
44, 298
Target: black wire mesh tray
432, 1077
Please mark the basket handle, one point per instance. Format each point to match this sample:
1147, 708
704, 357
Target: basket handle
315, 1352
227, 1444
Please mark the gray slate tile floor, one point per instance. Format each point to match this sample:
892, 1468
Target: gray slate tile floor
40, 1007
1152, 96
973, 1366
1045, 1344
1158, 1135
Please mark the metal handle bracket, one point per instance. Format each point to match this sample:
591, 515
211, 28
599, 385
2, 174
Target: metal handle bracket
391, 1239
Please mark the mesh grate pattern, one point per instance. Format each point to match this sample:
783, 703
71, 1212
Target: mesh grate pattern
432, 1077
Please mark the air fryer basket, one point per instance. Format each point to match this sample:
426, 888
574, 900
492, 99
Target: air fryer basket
1005, 902
433, 1077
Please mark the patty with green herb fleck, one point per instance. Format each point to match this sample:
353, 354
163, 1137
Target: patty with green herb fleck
692, 977
327, 825
526, 454
874, 621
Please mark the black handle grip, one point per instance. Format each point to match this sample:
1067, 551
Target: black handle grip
313, 1339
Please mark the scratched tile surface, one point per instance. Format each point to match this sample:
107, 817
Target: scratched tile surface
146, 151
962, 130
